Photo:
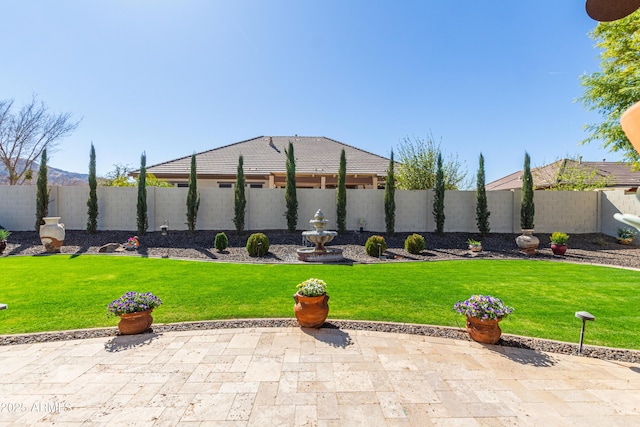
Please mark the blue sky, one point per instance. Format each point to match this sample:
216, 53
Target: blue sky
175, 77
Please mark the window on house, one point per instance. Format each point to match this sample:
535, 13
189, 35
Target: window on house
255, 185
183, 185
225, 185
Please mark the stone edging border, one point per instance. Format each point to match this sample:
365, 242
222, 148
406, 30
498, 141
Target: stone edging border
507, 340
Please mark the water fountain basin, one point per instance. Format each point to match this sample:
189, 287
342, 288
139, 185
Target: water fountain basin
319, 237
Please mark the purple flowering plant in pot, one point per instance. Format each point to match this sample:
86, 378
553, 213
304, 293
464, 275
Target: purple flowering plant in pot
483, 313
134, 310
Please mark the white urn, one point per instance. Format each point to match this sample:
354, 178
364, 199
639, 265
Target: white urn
52, 234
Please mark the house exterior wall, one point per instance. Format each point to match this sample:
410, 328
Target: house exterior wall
567, 211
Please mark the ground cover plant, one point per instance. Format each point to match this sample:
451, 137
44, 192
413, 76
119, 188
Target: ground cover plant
545, 294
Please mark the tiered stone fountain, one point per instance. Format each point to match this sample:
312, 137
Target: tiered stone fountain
630, 219
319, 237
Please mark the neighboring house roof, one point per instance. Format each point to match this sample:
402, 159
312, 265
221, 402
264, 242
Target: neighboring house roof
266, 155
616, 175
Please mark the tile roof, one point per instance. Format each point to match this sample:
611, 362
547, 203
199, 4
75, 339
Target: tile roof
620, 174
266, 154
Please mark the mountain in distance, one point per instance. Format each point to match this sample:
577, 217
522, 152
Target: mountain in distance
55, 176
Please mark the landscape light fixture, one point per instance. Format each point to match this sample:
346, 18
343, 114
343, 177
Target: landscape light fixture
164, 227
584, 315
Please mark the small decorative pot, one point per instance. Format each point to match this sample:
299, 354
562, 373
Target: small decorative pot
3, 246
484, 331
475, 248
558, 249
52, 234
527, 242
135, 323
311, 312
625, 241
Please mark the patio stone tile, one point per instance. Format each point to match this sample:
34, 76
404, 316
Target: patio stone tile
292, 376
267, 393
263, 371
241, 407
364, 415
209, 407
281, 415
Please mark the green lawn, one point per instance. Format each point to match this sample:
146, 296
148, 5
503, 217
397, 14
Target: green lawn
70, 292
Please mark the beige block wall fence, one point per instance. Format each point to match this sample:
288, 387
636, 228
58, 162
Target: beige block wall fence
567, 211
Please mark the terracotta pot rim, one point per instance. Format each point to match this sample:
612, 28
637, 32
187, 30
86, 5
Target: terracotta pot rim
304, 296
136, 313
485, 320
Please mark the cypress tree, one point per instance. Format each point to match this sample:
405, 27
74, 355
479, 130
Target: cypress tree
92, 203
193, 197
341, 196
239, 199
438, 197
290, 197
482, 211
527, 208
389, 198
42, 191
143, 220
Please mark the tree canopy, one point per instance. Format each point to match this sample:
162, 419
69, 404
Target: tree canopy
24, 134
616, 86
417, 158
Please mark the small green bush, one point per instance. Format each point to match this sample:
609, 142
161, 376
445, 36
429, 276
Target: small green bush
559, 238
258, 244
371, 247
221, 242
414, 244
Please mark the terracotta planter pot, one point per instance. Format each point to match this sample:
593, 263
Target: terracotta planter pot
475, 248
135, 323
311, 312
558, 249
527, 242
625, 241
484, 331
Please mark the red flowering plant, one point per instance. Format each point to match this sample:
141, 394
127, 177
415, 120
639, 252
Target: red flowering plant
133, 302
484, 307
132, 243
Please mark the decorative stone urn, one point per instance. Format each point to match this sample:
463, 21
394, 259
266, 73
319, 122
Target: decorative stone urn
484, 331
135, 323
52, 234
527, 242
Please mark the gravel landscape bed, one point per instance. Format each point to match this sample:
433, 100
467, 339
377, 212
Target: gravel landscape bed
591, 248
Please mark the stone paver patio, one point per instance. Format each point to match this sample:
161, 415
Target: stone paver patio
303, 377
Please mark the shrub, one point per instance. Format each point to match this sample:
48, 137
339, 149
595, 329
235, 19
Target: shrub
626, 233
527, 207
258, 244
221, 242
371, 247
414, 244
559, 238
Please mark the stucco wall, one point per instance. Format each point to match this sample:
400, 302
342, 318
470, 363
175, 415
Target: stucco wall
567, 211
